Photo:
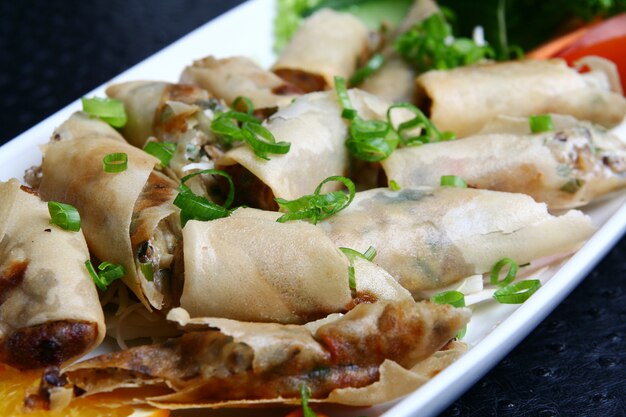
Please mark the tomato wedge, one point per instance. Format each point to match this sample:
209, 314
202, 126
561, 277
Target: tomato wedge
607, 39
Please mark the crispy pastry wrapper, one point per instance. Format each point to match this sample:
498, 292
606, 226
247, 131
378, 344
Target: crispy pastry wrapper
239, 76
428, 238
119, 211
565, 168
254, 269
250, 267
317, 133
532, 87
327, 44
40, 264
145, 101
388, 339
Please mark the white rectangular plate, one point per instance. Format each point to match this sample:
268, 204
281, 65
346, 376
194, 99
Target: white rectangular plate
494, 330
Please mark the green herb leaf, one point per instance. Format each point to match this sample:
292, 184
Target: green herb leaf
573, 185
430, 45
393, 185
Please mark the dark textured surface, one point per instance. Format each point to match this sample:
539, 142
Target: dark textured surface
52, 52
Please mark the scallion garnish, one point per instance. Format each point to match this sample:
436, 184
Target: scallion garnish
428, 131
573, 185
393, 185
64, 215
510, 275
351, 254
347, 112
455, 299
115, 162
431, 45
196, 207
108, 273
147, 270
164, 151
518, 292
375, 140
317, 206
305, 394
109, 110
373, 65
541, 123
369, 140
453, 181
235, 126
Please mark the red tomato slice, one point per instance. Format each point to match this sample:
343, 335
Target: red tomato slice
607, 39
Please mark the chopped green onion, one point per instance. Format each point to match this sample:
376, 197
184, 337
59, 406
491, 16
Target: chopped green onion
164, 151
510, 275
394, 185
371, 140
573, 185
262, 141
147, 270
246, 102
317, 206
541, 123
517, 293
348, 112
373, 65
453, 181
109, 110
234, 126
455, 299
195, 207
305, 394
351, 254
64, 215
430, 45
115, 162
428, 133
108, 273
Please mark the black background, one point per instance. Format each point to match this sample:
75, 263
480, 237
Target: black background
52, 52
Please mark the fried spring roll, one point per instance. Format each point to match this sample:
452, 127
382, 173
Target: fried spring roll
428, 238
327, 44
249, 267
128, 217
565, 168
317, 133
239, 363
239, 76
395, 80
463, 99
40, 264
145, 103
178, 114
